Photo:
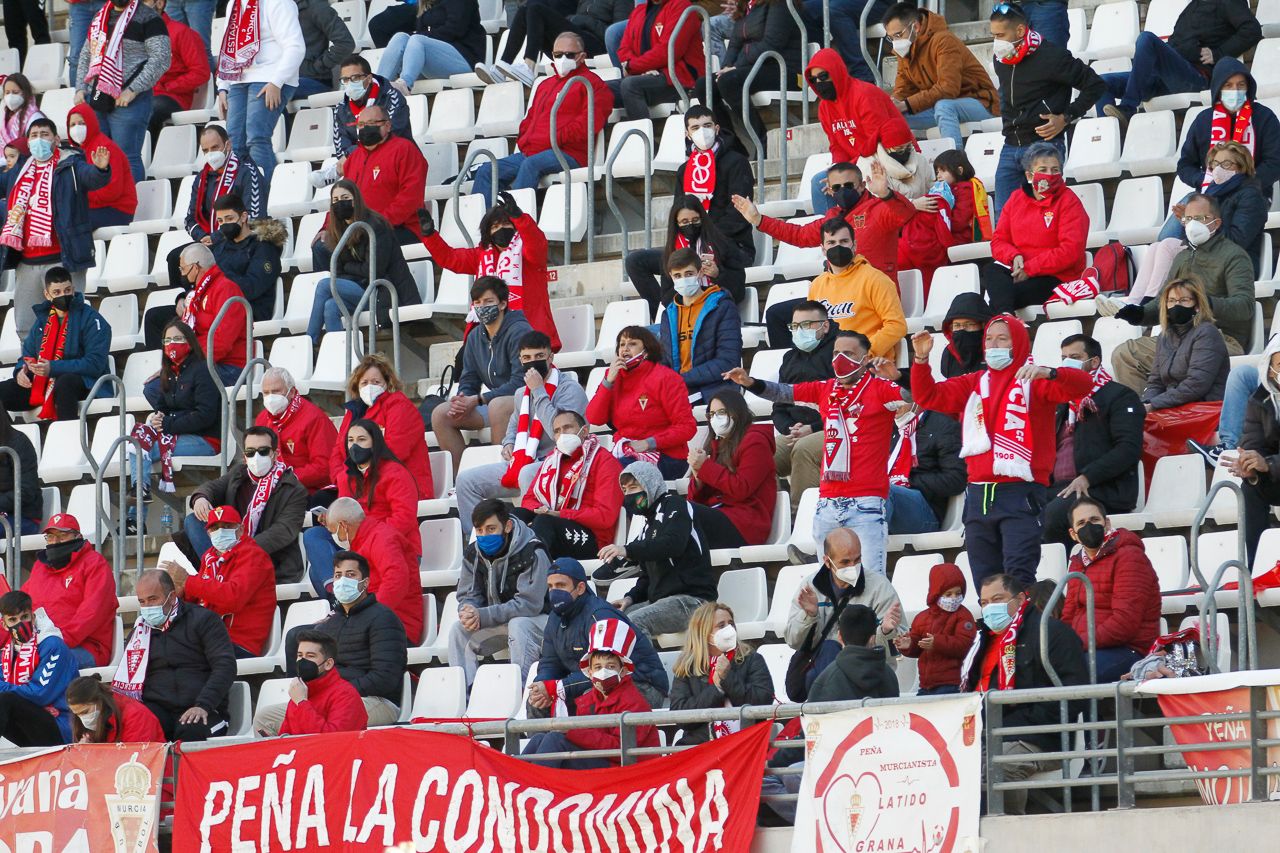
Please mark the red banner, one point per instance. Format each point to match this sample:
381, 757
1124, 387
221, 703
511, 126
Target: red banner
99, 798
441, 792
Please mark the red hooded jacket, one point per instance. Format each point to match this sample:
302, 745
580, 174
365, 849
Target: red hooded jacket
953, 633
188, 64
1049, 233
392, 178
404, 433
80, 598
876, 223
120, 193
244, 594
625, 697
690, 57
394, 500
1126, 595
332, 705
601, 498
306, 443
963, 213
648, 401
571, 123
392, 578
861, 117
746, 495
925, 240
949, 397
229, 341
134, 723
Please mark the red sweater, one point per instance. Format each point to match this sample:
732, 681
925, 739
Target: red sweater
404, 433
188, 64
392, 178
530, 296
746, 495
243, 593
963, 213
80, 598
876, 223
571, 122
392, 578
1126, 595
870, 449
953, 633
307, 441
1049, 233
229, 341
601, 499
647, 401
394, 500
690, 57
332, 705
120, 192
861, 117
625, 697
134, 724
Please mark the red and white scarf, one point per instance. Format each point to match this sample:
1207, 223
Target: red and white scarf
565, 492
1225, 128
1029, 44
53, 344
1011, 453
261, 494
19, 662
242, 40
508, 265
1007, 662
722, 728
528, 432
131, 673
700, 174
1077, 408
147, 437
196, 297
370, 97
226, 182
30, 222
843, 411
900, 463
278, 422
105, 49
623, 450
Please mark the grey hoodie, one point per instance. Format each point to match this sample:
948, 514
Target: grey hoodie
569, 397
513, 584
494, 362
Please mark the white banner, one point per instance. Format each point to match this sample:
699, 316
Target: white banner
902, 777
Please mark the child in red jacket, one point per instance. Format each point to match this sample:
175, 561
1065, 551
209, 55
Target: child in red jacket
941, 634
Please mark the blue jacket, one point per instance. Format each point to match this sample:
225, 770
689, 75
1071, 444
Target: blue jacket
88, 342
1266, 132
564, 642
716, 347
48, 686
73, 178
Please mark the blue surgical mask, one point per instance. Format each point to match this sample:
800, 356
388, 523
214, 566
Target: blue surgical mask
561, 600
223, 538
996, 616
998, 358
490, 543
346, 590
806, 340
153, 615
1233, 99
354, 89
41, 149
1073, 362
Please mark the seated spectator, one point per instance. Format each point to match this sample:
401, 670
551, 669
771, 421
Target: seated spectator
530, 436
971, 213
490, 359
575, 611
76, 588
908, 170
235, 579
265, 493
733, 484
524, 168
248, 253
963, 326
716, 670
1039, 243
390, 172
1099, 443
1008, 656
375, 393
397, 18
670, 556
940, 83
101, 715
188, 70
21, 484
114, 204
393, 568
607, 663
446, 39
1191, 361
320, 699
305, 435
858, 297
19, 111
502, 592
925, 471
701, 330
927, 236
207, 291
1126, 592
372, 649
689, 228
1257, 460
1182, 62
859, 670
540, 28
362, 88
346, 206
35, 668
179, 661
512, 248
64, 354
799, 426
327, 41
941, 634
646, 403
646, 77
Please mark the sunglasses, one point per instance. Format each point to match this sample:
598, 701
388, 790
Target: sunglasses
250, 452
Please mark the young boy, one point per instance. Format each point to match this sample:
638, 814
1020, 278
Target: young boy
942, 634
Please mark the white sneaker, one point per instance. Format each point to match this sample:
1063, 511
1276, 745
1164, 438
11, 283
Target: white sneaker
1107, 307
327, 174
400, 86
489, 73
518, 70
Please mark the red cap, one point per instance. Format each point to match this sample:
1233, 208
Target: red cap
223, 515
62, 521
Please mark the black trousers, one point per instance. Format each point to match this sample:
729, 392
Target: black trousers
727, 98
1004, 294
18, 16
399, 18
69, 392
638, 92
1002, 530
539, 22
1259, 498
644, 268
26, 723
776, 320
563, 538
716, 527
162, 109
173, 730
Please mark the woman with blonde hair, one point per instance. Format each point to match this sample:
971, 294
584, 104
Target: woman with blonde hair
1191, 362
716, 670
100, 715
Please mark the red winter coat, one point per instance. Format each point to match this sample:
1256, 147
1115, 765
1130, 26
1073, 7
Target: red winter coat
404, 433
860, 118
963, 213
134, 723
1126, 595
229, 341
747, 495
188, 64
571, 122
120, 193
392, 577
532, 297
601, 499
307, 441
80, 598
949, 397
953, 633
876, 223
394, 500
690, 55
244, 595
332, 705
1049, 233
925, 240
647, 401
392, 178
625, 697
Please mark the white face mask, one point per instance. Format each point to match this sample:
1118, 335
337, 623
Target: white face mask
343, 544
703, 138
1003, 49
565, 65
1197, 232
90, 720
950, 603
275, 403
259, 464
726, 639
13, 100
850, 574
689, 286
369, 393
568, 443
79, 133
721, 424
215, 159
604, 673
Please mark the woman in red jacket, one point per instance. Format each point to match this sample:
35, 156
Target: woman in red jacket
100, 715
733, 483
647, 404
115, 203
941, 634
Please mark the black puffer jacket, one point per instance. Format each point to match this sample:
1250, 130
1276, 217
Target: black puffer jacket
191, 664
768, 26
1042, 83
191, 402
32, 500
595, 16
1226, 27
800, 366
372, 648
939, 473
327, 38
456, 22
1107, 444
670, 549
748, 683
858, 672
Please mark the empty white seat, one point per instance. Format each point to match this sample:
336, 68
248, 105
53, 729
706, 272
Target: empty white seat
1177, 488
1046, 348
1078, 30
453, 117
175, 153
617, 316
274, 651
495, 692
501, 109
441, 551
291, 191
45, 66
294, 353
1150, 144
746, 591
126, 264
55, 104
1265, 68
441, 694
576, 325
983, 151
80, 504
948, 283
1137, 211
1113, 32
121, 314
155, 208
421, 653
331, 369
556, 204
311, 137
911, 581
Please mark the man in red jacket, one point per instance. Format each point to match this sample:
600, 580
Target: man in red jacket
535, 158
646, 78
236, 580
321, 700
393, 576
207, 291
188, 70
307, 436
77, 589
390, 172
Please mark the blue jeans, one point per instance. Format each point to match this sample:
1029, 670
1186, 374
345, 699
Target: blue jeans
1049, 19
197, 533
846, 20
127, 126
1157, 70
1010, 174
325, 313
1172, 227
864, 516
549, 742
947, 116
411, 57
250, 124
1243, 380
909, 512
28, 527
308, 86
721, 30
187, 445
319, 547
518, 172
197, 14
1113, 663
80, 16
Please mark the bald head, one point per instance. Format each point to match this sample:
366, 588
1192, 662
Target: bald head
372, 126
842, 550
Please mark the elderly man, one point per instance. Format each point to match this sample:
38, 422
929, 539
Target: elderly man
390, 172
207, 291
306, 435
393, 574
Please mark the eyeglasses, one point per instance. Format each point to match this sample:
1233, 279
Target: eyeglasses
373, 122
900, 34
850, 185
1185, 301
560, 54
354, 78
1203, 219
168, 341
250, 452
1229, 165
813, 325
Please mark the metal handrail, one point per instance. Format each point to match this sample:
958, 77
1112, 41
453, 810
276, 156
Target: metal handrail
457, 187
872, 65
349, 316
13, 532
648, 184
1247, 629
746, 117
246, 375
1091, 658
120, 535
804, 63
228, 402
567, 171
682, 95
100, 515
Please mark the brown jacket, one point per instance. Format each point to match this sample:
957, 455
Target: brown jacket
939, 67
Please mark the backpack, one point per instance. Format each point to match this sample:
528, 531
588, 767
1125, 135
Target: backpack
1115, 267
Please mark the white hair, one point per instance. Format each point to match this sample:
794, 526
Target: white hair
198, 254
282, 374
346, 511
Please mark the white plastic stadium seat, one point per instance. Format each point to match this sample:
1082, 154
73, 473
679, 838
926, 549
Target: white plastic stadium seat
1095, 150
983, 151
175, 152
312, 135
1137, 211
1114, 31
496, 692
1177, 489
746, 591
1150, 144
948, 283
453, 117
441, 694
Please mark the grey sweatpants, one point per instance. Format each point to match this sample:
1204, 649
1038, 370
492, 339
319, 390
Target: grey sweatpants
522, 636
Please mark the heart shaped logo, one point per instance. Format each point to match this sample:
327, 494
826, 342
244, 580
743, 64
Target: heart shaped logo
851, 809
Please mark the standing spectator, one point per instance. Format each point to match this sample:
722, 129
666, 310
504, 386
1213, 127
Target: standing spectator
393, 568
101, 715
925, 471
716, 670
362, 88
1257, 461
390, 172
1191, 362
64, 354
248, 253
375, 393
208, 291
1039, 107
799, 451
35, 668
859, 670
126, 55
13, 486
858, 297
715, 171
320, 699
733, 484
1006, 415
539, 26
701, 330
114, 204
328, 42
76, 588
188, 68
306, 436
942, 634
222, 172
258, 64
646, 78
19, 110
198, 15
18, 16
447, 39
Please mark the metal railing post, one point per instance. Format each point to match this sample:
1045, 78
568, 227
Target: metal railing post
567, 172
648, 184
457, 188
993, 772
369, 297
746, 118
1247, 630
872, 65
683, 95
13, 532
1091, 658
99, 514
1126, 796
804, 63
228, 402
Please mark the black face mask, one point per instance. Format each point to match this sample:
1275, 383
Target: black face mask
847, 197
1091, 536
369, 135
541, 365
969, 345
62, 303
360, 455
308, 670
229, 230
901, 156
344, 209
636, 503
502, 237
691, 232
840, 256
60, 553
825, 89
1181, 315
23, 632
